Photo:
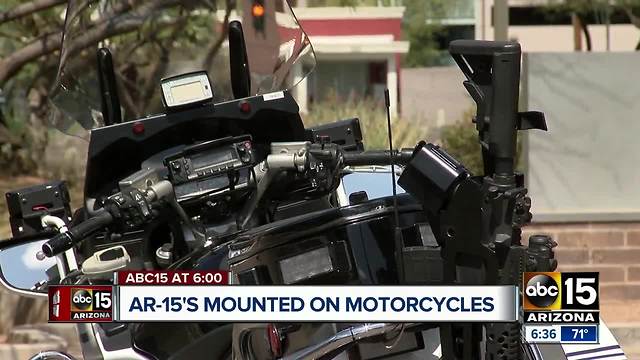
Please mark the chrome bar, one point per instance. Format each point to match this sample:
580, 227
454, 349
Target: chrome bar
341, 340
51, 355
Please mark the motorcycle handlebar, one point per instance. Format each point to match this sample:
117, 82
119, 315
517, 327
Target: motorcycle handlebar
377, 157
76, 234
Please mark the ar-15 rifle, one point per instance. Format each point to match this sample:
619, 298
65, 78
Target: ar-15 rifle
477, 220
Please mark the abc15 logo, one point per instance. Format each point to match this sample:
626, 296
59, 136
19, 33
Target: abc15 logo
561, 291
90, 299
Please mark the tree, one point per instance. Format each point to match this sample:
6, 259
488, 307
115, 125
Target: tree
581, 9
632, 9
588, 10
21, 31
596, 11
353, 3
422, 27
30, 42
424, 47
30, 45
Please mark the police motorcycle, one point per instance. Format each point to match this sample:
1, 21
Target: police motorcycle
226, 176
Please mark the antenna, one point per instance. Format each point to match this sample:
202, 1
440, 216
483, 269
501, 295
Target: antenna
397, 232
387, 103
399, 244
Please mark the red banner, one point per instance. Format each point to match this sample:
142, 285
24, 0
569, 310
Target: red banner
80, 303
179, 277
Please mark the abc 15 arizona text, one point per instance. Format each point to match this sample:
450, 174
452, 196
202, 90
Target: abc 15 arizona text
80, 304
561, 297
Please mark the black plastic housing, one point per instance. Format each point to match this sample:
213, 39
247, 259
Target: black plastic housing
238, 61
430, 176
359, 238
125, 149
346, 133
26, 207
492, 69
108, 88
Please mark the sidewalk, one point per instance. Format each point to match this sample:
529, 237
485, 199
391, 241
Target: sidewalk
623, 318
628, 335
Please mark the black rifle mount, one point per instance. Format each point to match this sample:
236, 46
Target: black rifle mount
492, 69
477, 220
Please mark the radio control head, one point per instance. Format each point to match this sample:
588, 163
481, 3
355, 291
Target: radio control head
210, 167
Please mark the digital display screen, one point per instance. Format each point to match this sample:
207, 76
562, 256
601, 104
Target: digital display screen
187, 92
200, 161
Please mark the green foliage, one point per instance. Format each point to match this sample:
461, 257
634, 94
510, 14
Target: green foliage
577, 5
424, 47
421, 34
373, 120
15, 159
177, 35
320, 3
22, 133
590, 7
461, 141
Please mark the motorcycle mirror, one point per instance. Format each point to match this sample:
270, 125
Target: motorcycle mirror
23, 269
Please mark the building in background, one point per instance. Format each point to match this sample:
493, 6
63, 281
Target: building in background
532, 23
358, 52
433, 94
457, 21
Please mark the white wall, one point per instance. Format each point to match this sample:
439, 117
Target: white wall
434, 94
559, 38
587, 167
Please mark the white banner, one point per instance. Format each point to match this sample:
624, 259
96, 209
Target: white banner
317, 303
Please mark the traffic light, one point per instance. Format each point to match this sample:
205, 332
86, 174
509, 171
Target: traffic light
258, 14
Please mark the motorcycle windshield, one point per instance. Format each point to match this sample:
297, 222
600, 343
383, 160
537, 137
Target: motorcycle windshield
154, 39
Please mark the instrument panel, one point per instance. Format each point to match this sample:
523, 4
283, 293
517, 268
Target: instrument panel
211, 167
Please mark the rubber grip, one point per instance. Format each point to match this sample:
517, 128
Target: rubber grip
76, 234
91, 225
57, 244
380, 157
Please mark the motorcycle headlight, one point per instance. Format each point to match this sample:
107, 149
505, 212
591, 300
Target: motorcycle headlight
306, 265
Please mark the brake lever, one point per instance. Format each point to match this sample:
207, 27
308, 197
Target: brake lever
40, 285
104, 262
